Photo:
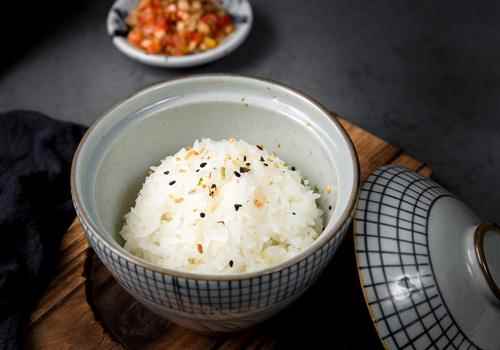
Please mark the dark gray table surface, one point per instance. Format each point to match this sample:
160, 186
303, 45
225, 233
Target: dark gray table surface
424, 75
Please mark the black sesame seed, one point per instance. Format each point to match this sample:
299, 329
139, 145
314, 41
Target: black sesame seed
202, 214
265, 164
329, 207
244, 170
167, 172
244, 158
231, 263
262, 159
213, 186
293, 213
237, 206
197, 170
237, 174
293, 168
202, 165
248, 164
171, 182
260, 147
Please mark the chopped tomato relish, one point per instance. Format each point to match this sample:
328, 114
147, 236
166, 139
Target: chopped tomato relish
178, 27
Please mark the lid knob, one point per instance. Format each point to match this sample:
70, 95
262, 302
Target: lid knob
487, 248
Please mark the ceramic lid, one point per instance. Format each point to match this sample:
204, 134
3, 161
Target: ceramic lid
429, 269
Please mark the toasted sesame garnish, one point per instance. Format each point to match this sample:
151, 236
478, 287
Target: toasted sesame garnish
177, 158
179, 200
232, 140
223, 173
192, 191
259, 200
166, 216
258, 203
221, 222
191, 153
328, 189
213, 190
244, 170
199, 247
182, 170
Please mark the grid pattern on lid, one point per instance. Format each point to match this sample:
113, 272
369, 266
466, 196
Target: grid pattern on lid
396, 273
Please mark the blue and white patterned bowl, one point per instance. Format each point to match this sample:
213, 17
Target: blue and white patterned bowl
111, 162
429, 269
240, 11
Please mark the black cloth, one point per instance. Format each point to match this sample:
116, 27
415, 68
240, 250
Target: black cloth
35, 211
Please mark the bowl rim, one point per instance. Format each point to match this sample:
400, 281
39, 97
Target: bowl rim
227, 46
324, 237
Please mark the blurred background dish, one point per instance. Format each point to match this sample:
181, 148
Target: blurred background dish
215, 33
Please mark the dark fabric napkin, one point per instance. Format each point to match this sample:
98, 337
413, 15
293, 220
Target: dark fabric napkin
35, 211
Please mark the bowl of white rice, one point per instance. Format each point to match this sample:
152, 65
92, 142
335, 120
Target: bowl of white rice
216, 200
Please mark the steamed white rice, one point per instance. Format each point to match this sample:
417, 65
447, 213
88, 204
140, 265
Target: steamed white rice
222, 207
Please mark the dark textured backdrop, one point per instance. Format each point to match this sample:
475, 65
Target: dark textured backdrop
424, 75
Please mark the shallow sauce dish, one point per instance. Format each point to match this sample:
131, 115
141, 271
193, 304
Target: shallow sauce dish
113, 157
239, 10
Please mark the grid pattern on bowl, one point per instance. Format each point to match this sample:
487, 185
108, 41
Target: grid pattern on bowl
395, 266
216, 297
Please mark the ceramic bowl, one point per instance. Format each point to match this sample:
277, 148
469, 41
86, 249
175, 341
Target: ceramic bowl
429, 268
240, 11
113, 157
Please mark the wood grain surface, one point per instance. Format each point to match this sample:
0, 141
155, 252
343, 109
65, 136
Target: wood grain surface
84, 308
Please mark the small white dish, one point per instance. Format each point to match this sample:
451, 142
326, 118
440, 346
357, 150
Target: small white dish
429, 269
240, 11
